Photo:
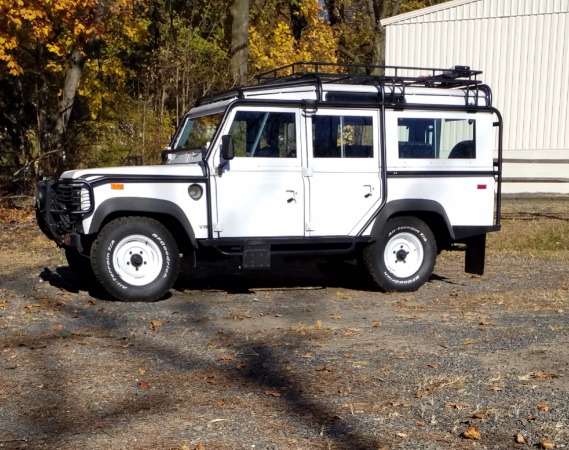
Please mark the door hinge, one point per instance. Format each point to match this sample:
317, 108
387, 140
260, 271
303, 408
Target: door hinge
307, 172
309, 227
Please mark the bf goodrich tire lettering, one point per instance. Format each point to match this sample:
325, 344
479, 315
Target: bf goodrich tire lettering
403, 256
135, 259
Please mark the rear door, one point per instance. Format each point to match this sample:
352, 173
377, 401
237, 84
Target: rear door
343, 173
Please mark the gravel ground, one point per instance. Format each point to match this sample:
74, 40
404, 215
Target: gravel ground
307, 356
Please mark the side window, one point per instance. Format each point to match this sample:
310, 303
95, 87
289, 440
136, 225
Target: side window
436, 138
342, 136
264, 134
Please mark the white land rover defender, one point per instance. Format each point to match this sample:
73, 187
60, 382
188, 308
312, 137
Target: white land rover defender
316, 159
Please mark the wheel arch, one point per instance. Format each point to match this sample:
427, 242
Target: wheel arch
429, 211
164, 211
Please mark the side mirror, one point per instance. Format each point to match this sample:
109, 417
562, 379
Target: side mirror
227, 151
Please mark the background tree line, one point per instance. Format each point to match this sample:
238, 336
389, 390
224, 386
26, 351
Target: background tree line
92, 82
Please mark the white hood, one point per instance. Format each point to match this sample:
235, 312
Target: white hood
161, 170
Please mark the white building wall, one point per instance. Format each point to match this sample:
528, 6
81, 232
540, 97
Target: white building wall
522, 46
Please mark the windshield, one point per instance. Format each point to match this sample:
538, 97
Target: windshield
197, 132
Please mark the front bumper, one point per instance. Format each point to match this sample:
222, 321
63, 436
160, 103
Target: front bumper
60, 208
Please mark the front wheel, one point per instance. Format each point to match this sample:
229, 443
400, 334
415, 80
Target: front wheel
402, 258
135, 259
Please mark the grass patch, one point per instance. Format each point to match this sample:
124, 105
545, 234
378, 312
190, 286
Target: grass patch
534, 225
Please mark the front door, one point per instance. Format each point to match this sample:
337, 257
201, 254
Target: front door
343, 170
260, 192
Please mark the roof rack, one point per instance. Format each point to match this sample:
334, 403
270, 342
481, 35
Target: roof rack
455, 77
396, 78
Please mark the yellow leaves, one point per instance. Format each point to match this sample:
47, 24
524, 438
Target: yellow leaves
274, 45
56, 49
32, 24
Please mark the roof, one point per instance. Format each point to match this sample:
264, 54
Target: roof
425, 11
479, 9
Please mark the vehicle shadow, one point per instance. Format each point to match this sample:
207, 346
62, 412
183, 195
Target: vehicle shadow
227, 276
65, 279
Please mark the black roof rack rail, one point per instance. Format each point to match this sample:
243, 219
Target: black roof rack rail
457, 76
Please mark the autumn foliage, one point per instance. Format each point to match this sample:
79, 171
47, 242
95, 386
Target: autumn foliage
93, 82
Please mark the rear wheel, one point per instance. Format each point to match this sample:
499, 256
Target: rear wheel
135, 259
403, 256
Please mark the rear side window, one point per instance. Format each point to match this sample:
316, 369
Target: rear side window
421, 138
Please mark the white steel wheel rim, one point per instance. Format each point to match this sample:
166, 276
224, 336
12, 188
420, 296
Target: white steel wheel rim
137, 260
403, 255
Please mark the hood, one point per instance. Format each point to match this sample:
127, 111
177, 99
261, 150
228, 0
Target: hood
175, 170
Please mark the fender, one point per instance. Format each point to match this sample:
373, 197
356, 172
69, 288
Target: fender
141, 206
408, 206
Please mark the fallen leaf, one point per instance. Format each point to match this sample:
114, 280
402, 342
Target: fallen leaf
480, 416
273, 393
58, 327
226, 358
543, 406
318, 325
335, 316
325, 368
472, 433
348, 355
220, 403
520, 439
456, 405
543, 375
547, 444
240, 365
156, 324
376, 324
401, 435
143, 384
421, 394
404, 405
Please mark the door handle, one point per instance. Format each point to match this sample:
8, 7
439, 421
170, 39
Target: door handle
293, 198
369, 189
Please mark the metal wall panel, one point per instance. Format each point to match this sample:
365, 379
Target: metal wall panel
523, 48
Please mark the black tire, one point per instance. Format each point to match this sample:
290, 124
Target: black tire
402, 258
135, 259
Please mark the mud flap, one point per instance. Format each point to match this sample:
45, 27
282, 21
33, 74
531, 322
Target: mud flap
475, 254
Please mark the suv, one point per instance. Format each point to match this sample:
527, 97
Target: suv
315, 159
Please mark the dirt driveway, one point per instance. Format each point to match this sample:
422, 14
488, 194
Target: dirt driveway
307, 356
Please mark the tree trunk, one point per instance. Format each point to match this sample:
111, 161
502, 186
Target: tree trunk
239, 40
380, 9
70, 86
